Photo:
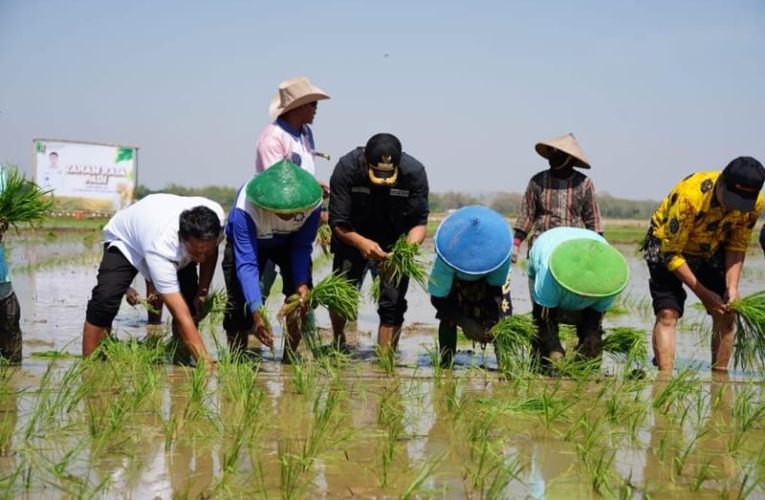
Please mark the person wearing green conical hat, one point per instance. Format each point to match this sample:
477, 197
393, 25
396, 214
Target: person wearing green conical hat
275, 217
572, 270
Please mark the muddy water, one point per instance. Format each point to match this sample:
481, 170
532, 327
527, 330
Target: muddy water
441, 435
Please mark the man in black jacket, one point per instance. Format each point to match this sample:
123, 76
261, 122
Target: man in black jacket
377, 194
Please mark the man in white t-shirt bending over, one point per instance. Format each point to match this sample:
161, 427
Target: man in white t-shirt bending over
163, 237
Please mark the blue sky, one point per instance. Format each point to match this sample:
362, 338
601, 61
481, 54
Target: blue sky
653, 90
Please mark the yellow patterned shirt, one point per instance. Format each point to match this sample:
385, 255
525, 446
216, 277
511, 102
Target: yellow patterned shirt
691, 221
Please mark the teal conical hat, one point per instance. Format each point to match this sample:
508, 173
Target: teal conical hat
284, 188
589, 268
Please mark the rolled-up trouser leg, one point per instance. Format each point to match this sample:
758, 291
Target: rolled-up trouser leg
10, 331
547, 339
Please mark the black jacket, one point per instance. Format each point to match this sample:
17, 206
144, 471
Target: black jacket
380, 213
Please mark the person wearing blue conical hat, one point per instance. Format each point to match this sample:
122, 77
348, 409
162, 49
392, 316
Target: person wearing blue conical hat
469, 282
572, 270
275, 217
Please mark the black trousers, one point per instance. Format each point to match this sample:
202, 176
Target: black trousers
10, 331
115, 274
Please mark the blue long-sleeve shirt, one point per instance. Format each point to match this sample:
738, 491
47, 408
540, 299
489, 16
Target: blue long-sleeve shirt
251, 229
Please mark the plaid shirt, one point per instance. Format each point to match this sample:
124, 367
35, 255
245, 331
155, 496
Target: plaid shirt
551, 202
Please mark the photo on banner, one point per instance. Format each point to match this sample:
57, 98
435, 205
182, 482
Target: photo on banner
86, 176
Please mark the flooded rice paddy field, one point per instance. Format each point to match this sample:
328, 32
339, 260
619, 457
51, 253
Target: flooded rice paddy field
133, 425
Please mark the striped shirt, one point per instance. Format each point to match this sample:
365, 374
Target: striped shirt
552, 202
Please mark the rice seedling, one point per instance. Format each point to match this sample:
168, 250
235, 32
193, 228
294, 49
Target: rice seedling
512, 340
624, 341
676, 390
215, 304
386, 360
334, 292
21, 200
324, 238
748, 413
403, 262
425, 471
750, 335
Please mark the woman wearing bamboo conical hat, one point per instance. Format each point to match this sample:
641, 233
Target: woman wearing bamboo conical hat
275, 217
572, 270
469, 282
558, 196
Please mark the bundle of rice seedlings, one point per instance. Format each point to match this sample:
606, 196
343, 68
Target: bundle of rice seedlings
402, 262
324, 238
514, 332
626, 341
216, 302
21, 200
750, 334
334, 292
512, 340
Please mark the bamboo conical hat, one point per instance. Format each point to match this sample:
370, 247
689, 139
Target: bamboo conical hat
568, 145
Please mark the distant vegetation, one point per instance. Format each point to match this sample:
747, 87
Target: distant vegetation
508, 204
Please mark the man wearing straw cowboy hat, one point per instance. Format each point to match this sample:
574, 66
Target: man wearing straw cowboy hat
572, 269
469, 282
275, 217
377, 194
559, 196
289, 136
698, 238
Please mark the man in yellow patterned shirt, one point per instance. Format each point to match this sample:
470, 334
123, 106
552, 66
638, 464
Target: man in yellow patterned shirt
698, 237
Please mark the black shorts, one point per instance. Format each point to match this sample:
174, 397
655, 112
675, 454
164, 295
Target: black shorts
667, 290
115, 274
237, 317
349, 262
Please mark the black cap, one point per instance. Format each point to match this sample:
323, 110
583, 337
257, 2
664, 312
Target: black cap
383, 149
742, 181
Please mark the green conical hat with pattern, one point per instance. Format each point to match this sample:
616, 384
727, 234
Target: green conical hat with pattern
589, 268
284, 188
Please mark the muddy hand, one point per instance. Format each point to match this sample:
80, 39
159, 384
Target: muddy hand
132, 296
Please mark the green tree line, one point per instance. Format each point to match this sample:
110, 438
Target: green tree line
508, 204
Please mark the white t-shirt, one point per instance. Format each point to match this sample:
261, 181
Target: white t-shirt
147, 235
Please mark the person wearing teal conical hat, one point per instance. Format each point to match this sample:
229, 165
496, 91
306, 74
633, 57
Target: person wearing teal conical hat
275, 217
572, 270
469, 282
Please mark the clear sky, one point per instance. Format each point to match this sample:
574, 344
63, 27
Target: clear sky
653, 90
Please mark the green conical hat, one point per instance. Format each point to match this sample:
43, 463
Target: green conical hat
589, 268
284, 188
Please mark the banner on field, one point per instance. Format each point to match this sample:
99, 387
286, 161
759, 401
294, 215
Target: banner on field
86, 176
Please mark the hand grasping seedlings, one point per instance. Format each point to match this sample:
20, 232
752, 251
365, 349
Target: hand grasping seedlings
402, 261
750, 334
333, 292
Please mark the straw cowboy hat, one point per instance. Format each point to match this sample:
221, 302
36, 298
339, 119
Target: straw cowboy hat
293, 93
566, 144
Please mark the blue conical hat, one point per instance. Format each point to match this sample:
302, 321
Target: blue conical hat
474, 240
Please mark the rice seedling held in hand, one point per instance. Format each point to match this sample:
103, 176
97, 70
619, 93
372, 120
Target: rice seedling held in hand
512, 338
403, 261
324, 238
21, 200
750, 334
215, 304
333, 292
